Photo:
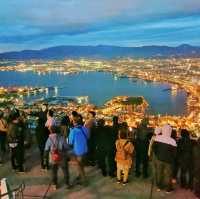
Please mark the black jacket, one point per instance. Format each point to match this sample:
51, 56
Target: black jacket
184, 152
165, 152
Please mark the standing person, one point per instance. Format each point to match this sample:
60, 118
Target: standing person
115, 126
185, 160
164, 148
3, 134
141, 148
196, 168
151, 155
91, 124
91, 121
16, 142
78, 138
65, 125
57, 146
102, 144
113, 136
124, 153
157, 131
42, 133
7, 113
50, 120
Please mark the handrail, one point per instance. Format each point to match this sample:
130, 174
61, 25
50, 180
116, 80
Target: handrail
18, 189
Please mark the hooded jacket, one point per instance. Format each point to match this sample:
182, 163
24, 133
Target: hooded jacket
157, 132
164, 146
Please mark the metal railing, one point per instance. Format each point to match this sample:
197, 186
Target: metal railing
18, 193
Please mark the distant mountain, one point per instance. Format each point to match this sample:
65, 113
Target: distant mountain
103, 51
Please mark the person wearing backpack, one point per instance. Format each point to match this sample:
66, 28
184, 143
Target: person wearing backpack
78, 139
57, 147
123, 157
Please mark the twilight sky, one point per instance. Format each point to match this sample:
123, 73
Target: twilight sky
36, 24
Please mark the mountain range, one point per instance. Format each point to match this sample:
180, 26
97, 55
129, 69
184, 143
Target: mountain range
104, 52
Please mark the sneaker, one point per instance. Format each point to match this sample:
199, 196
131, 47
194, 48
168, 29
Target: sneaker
21, 171
54, 187
124, 183
169, 191
68, 186
118, 182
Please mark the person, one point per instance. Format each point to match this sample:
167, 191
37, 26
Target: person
185, 160
113, 136
78, 138
115, 126
157, 131
105, 149
42, 133
50, 119
142, 137
16, 142
75, 114
123, 157
151, 155
91, 121
196, 168
65, 125
7, 112
3, 135
175, 166
164, 148
91, 124
57, 141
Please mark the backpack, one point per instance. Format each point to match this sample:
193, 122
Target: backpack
121, 153
56, 154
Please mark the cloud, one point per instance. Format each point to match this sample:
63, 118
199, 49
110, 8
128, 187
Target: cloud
29, 23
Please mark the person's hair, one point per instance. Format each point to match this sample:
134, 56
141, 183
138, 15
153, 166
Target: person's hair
1, 114
54, 129
92, 113
50, 113
144, 122
174, 134
74, 113
184, 133
123, 133
14, 115
124, 125
101, 122
77, 120
115, 119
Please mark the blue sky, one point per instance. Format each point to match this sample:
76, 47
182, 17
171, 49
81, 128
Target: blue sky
36, 24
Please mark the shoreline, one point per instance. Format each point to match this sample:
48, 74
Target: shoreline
193, 98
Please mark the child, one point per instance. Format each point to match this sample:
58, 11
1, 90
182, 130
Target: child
123, 157
57, 146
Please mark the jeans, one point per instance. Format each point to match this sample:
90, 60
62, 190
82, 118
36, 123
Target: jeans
186, 176
65, 168
17, 157
141, 159
163, 174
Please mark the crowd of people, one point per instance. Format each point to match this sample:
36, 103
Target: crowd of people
116, 150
